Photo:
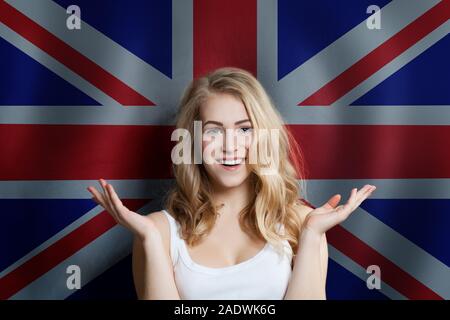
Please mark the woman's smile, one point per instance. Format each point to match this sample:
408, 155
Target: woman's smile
231, 167
231, 164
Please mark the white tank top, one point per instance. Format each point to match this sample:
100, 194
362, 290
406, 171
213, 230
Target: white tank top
265, 276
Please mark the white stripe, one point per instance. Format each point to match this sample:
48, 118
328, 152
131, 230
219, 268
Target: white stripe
311, 115
182, 50
151, 188
267, 43
317, 115
359, 271
95, 115
76, 189
369, 115
394, 66
320, 189
49, 62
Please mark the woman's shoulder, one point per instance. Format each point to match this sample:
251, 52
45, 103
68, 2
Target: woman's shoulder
158, 217
162, 224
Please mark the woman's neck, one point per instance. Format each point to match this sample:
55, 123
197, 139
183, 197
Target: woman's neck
233, 199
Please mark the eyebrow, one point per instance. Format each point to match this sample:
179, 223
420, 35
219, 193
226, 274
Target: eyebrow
221, 124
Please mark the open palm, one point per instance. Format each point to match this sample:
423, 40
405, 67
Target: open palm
108, 199
329, 215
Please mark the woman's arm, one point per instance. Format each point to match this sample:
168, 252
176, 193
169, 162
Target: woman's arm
152, 270
152, 266
309, 274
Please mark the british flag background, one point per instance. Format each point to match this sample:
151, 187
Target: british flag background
365, 105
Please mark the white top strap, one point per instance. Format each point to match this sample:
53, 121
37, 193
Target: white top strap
175, 239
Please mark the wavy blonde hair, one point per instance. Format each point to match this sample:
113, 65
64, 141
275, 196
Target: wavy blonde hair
276, 196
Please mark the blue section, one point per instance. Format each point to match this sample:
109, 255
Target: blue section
344, 285
424, 222
144, 27
307, 27
25, 224
24, 81
115, 283
423, 81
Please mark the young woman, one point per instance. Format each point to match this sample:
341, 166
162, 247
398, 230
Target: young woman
230, 228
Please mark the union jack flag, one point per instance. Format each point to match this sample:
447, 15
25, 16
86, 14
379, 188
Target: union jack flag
366, 106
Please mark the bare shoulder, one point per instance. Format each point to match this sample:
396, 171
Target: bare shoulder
160, 220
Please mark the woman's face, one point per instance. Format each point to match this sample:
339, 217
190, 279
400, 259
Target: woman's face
227, 136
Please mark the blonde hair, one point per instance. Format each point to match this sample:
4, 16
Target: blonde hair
276, 196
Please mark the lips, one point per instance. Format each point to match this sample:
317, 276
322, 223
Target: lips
231, 164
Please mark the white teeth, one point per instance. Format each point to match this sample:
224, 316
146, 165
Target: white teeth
231, 162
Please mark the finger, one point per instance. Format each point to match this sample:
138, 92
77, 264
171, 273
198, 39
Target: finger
364, 195
332, 202
354, 201
98, 197
117, 204
103, 183
358, 197
364, 191
345, 210
117, 212
106, 196
353, 195
95, 200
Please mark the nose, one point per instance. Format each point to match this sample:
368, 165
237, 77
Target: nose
230, 143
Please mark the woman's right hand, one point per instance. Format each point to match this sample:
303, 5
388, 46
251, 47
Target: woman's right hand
140, 225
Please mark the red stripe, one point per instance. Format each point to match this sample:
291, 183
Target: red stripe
59, 251
41, 152
224, 35
374, 151
79, 152
71, 58
391, 274
380, 56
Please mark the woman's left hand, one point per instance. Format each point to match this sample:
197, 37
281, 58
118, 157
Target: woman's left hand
329, 215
